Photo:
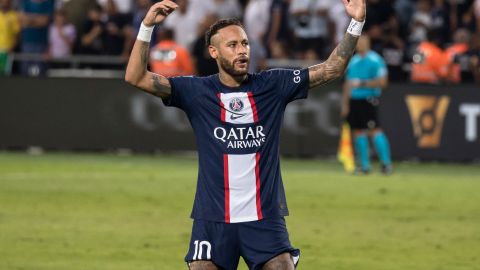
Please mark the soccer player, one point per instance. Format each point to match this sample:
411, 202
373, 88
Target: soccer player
366, 77
240, 204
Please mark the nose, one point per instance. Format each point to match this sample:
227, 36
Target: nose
242, 49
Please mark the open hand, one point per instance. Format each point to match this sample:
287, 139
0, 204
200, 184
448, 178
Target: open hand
158, 12
357, 9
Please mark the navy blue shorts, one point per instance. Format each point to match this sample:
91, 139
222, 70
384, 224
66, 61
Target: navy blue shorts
224, 243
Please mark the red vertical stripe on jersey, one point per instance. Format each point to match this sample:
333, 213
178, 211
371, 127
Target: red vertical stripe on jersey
226, 188
222, 107
254, 107
257, 176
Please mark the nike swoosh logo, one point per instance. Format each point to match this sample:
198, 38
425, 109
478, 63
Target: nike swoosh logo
235, 117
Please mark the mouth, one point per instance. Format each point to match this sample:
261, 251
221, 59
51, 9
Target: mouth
241, 61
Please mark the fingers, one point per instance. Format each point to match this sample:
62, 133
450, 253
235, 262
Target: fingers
164, 8
347, 2
164, 5
158, 12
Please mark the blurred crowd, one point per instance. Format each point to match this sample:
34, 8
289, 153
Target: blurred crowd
402, 31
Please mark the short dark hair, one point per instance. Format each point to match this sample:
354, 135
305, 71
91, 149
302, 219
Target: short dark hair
220, 24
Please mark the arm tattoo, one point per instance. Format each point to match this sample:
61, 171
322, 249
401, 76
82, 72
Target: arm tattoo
161, 86
335, 64
144, 48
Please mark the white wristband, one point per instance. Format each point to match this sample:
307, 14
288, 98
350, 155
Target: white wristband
145, 32
355, 28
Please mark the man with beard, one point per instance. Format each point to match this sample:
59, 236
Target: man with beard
240, 201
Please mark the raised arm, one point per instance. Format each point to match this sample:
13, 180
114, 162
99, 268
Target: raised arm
137, 73
336, 63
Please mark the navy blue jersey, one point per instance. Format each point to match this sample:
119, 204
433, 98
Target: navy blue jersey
237, 132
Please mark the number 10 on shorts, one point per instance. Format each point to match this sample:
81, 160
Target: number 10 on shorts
199, 248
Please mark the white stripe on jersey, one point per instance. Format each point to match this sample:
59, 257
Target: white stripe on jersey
242, 180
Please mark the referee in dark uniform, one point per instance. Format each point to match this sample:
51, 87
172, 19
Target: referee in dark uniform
366, 77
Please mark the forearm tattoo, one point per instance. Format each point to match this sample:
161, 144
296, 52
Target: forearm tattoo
335, 64
144, 49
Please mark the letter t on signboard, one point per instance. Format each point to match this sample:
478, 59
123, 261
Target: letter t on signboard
471, 112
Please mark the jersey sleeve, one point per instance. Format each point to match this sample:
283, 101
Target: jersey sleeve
292, 84
181, 88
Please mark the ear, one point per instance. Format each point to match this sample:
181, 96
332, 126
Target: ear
213, 51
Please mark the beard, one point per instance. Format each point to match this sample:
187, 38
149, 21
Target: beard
229, 68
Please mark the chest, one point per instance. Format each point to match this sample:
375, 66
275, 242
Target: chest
252, 104
364, 69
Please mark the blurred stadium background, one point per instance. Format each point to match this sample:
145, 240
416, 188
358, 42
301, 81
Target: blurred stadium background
97, 175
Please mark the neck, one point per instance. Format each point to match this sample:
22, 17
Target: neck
231, 81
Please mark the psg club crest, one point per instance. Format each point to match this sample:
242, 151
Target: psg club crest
236, 104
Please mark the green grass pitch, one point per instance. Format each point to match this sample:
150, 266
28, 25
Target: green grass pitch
81, 211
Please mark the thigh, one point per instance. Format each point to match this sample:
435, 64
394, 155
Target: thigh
263, 241
371, 113
202, 265
283, 261
213, 245
357, 117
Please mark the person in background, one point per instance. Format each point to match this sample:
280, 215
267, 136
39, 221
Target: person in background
455, 52
462, 15
170, 58
202, 8
205, 65
476, 11
76, 13
92, 38
118, 36
139, 13
338, 17
35, 19
311, 28
392, 50
61, 36
122, 6
421, 22
404, 10
382, 21
225, 9
430, 63
474, 58
256, 19
9, 30
278, 30
185, 21
365, 79
441, 20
